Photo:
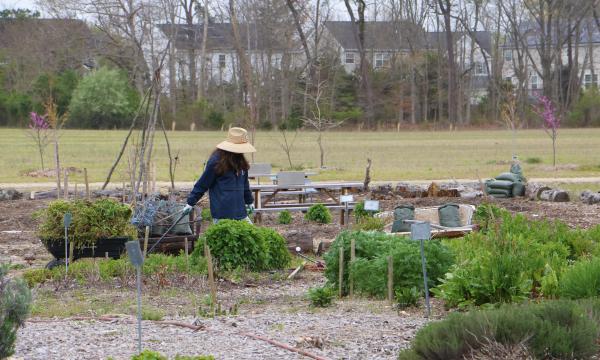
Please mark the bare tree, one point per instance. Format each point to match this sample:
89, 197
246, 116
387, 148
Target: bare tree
319, 121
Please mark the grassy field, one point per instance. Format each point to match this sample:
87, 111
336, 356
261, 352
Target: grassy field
409, 155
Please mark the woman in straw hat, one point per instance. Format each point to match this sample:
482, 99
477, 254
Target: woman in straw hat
226, 179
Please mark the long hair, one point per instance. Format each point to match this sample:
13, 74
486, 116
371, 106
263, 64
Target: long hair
229, 161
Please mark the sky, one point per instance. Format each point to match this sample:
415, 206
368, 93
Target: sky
23, 4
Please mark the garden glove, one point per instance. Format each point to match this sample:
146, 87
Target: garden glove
250, 209
187, 209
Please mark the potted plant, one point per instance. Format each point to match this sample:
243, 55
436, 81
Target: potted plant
97, 228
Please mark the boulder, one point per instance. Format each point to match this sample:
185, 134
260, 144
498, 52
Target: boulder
10, 194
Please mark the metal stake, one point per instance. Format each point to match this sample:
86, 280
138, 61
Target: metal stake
67, 222
139, 306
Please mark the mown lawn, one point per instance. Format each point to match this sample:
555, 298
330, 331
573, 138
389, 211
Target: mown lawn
408, 155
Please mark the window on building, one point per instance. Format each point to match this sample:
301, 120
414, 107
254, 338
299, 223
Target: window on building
534, 82
508, 55
222, 62
480, 69
381, 59
349, 58
590, 80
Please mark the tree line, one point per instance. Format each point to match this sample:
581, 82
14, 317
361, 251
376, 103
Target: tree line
288, 71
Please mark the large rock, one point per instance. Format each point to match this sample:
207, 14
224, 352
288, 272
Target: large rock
10, 194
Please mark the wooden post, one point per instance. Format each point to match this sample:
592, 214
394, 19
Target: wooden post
187, 257
146, 236
390, 280
341, 273
66, 190
352, 258
75, 191
211, 275
71, 250
106, 255
123, 193
87, 183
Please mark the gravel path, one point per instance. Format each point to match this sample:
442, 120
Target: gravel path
346, 334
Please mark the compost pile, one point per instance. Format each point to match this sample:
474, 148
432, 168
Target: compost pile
100, 219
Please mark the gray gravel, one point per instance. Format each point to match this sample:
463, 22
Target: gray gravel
346, 331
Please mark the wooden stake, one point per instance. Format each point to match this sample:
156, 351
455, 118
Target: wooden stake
187, 258
352, 258
211, 275
341, 274
123, 193
390, 280
66, 190
71, 250
153, 177
75, 190
146, 236
106, 255
87, 183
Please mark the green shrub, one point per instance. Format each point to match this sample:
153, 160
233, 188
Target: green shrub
554, 329
206, 215
407, 297
318, 213
369, 270
236, 244
360, 212
582, 280
15, 304
284, 218
279, 256
370, 224
511, 259
103, 218
173, 264
321, 296
152, 314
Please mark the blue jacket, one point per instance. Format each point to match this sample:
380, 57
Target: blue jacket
228, 193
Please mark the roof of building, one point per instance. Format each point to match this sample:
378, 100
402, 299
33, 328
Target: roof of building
530, 30
396, 36
220, 36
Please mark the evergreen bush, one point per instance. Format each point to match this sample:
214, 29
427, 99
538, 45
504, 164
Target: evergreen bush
284, 218
279, 256
15, 304
318, 213
549, 330
321, 296
582, 280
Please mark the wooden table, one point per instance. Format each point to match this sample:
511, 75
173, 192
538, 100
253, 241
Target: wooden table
328, 188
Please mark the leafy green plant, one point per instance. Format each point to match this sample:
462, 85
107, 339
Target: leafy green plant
582, 280
152, 314
360, 212
370, 224
549, 330
279, 256
318, 213
104, 218
154, 355
533, 160
236, 244
15, 304
407, 297
321, 296
284, 218
512, 259
206, 215
369, 270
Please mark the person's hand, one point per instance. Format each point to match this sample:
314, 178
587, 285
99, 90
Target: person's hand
250, 209
187, 209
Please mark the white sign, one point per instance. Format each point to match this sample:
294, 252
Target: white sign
346, 198
371, 205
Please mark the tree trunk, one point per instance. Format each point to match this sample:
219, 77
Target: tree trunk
446, 10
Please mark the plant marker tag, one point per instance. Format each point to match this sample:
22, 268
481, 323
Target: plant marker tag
422, 231
137, 259
67, 222
346, 198
372, 205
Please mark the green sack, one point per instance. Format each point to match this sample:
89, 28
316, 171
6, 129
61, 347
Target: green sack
500, 184
518, 189
449, 215
183, 225
508, 177
517, 170
500, 196
504, 192
401, 213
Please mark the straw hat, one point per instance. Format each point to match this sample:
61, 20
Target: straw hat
237, 142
